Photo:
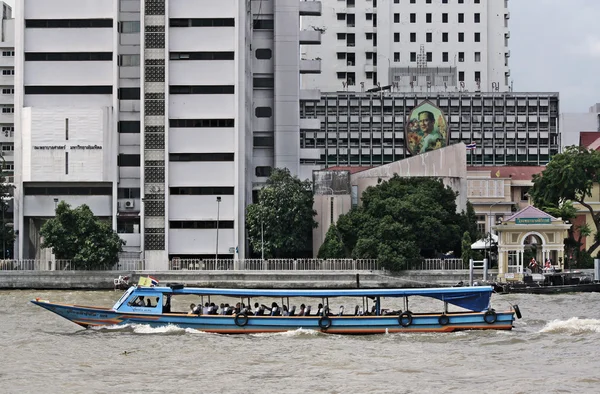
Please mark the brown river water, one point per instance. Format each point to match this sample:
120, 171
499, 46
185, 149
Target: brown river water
553, 349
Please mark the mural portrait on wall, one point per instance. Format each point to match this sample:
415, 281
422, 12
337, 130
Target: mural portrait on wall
426, 129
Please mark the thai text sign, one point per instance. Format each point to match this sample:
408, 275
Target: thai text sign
533, 221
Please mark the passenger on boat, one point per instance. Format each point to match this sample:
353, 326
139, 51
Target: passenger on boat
341, 312
205, 308
140, 301
195, 309
533, 265
167, 306
320, 310
302, 310
273, 310
148, 303
260, 309
222, 309
307, 311
285, 312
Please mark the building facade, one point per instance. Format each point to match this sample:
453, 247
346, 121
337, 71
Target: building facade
573, 123
368, 129
156, 114
413, 45
7, 90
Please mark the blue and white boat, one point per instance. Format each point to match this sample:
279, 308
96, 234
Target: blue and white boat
474, 312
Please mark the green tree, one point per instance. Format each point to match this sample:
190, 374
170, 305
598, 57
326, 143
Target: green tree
401, 220
333, 247
570, 176
76, 235
285, 214
466, 252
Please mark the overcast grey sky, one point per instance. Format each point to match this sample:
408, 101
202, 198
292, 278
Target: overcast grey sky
555, 46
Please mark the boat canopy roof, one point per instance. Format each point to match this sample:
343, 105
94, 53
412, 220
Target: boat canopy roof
475, 298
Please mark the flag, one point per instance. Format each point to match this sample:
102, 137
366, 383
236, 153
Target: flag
153, 281
145, 282
498, 174
471, 146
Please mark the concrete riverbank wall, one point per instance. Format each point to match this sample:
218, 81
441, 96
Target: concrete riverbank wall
103, 280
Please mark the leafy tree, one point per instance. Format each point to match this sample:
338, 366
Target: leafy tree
7, 229
285, 210
76, 235
333, 247
401, 220
570, 176
466, 252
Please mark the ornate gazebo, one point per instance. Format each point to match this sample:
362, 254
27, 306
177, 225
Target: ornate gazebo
533, 232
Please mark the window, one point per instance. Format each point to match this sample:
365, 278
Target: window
263, 141
129, 27
396, 18
8, 91
461, 76
477, 18
429, 56
444, 56
413, 56
201, 191
264, 53
478, 76
341, 16
461, 57
444, 18
68, 89
128, 160
263, 171
476, 1
477, 37
413, 37
264, 82
202, 123
201, 56
129, 93
200, 224
461, 18
128, 60
461, 37
263, 112
413, 18
7, 71
369, 17
205, 22
8, 110
201, 156
444, 37
202, 89
8, 53
429, 37
396, 37
525, 193
129, 126
68, 56
428, 18
461, 1
396, 57
263, 24
477, 57
68, 23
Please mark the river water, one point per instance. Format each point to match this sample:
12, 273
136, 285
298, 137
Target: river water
553, 349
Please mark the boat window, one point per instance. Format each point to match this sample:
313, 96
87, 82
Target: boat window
123, 298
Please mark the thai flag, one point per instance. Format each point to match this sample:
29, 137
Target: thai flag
154, 281
471, 146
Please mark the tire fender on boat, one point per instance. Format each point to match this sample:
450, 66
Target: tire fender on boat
490, 316
241, 319
325, 322
517, 311
405, 319
443, 320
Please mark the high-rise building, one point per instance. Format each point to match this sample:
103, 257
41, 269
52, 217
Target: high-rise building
7, 90
161, 115
573, 123
413, 45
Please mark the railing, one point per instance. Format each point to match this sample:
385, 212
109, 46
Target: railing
65, 265
275, 265
440, 264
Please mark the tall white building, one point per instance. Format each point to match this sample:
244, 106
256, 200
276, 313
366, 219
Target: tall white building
161, 115
413, 45
7, 90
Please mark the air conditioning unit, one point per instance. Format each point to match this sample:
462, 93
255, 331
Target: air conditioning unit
129, 204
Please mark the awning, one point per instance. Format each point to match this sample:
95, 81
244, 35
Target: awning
484, 243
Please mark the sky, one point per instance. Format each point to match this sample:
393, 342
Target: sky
555, 47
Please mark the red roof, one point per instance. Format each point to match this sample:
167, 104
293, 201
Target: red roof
590, 139
353, 170
518, 173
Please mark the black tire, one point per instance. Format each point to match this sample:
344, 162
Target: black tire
325, 322
405, 319
241, 319
444, 320
490, 317
517, 311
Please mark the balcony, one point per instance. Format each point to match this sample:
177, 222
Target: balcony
7, 99
310, 8
310, 37
312, 124
310, 95
310, 66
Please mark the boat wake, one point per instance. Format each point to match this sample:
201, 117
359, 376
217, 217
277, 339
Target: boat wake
573, 325
146, 329
300, 332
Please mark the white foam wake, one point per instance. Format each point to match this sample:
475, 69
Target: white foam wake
573, 325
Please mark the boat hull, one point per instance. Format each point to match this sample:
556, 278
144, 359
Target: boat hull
358, 325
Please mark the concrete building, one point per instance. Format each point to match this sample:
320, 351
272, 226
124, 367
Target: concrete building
415, 46
368, 129
158, 114
572, 124
7, 90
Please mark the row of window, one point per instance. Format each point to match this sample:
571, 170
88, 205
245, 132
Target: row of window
129, 93
430, 1
202, 89
8, 53
429, 18
68, 23
201, 22
209, 123
201, 191
128, 192
68, 89
68, 56
201, 224
68, 191
429, 37
202, 55
201, 156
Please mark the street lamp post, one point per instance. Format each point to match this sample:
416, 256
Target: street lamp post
3, 209
489, 252
217, 249
262, 235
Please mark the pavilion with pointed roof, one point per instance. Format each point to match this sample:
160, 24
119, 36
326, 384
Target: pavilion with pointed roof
530, 232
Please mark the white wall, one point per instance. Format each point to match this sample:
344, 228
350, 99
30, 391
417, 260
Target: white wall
68, 73
201, 173
182, 39
197, 72
69, 40
203, 8
202, 140
191, 106
571, 124
69, 9
201, 208
192, 241
44, 206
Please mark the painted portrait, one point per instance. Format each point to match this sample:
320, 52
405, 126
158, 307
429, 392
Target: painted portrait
426, 129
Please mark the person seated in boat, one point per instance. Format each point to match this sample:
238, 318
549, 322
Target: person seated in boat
285, 311
341, 311
320, 310
237, 310
195, 309
301, 310
167, 306
222, 309
307, 310
140, 301
533, 265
